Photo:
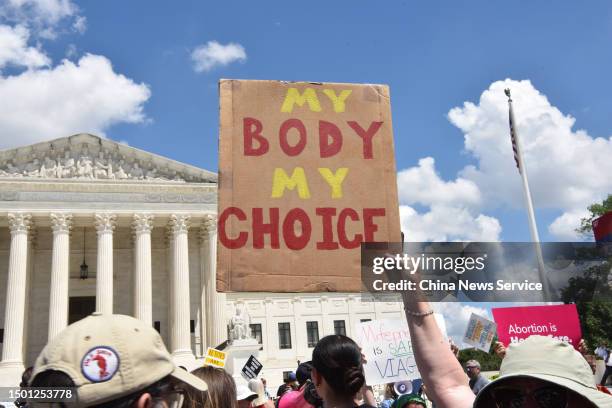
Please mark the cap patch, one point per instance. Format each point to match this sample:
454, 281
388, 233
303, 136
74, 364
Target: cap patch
100, 364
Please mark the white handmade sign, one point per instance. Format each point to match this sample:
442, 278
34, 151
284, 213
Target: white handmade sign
479, 333
388, 350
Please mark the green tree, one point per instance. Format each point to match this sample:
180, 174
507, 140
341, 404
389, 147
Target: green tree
596, 210
488, 361
595, 312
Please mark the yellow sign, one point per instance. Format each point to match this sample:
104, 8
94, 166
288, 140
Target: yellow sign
215, 358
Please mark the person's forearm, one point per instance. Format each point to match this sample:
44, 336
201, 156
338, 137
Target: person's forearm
446, 382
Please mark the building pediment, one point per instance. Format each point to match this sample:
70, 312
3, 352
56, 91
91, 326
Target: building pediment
89, 157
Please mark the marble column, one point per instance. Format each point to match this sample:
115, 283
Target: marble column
143, 289
180, 336
216, 323
169, 239
201, 334
105, 224
60, 273
12, 349
29, 276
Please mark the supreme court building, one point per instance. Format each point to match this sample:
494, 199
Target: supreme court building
89, 224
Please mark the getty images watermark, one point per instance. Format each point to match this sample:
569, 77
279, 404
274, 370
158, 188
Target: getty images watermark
490, 272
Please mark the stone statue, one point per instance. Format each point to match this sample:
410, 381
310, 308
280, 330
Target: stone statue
239, 325
85, 167
136, 172
101, 167
152, 174
120, 174
12, 170
49, 168
32, 169
68, 165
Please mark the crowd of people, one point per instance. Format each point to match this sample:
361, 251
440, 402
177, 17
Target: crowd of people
119, 361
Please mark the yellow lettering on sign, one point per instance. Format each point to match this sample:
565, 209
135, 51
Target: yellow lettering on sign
293, 97
334, 180
280, 181
338, 101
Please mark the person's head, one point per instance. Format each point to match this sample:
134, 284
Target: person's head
302, 374
244, 396
337, 370
390, 391
257, 387
409, 401
221, 389
543, 372
472, 368
113, 360
291, 378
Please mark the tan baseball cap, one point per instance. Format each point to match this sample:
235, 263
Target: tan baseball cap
111, 356
551, 360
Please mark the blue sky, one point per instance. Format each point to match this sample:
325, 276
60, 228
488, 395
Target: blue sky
434, 56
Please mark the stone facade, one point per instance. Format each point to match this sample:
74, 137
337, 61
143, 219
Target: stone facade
150, 246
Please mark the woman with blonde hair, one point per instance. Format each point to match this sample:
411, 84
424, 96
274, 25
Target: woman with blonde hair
221, 390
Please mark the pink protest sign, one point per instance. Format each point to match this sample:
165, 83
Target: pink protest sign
515, 324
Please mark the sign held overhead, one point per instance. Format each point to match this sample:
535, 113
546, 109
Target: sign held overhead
306, 174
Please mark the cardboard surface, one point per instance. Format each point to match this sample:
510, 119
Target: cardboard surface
294, 201
515, 324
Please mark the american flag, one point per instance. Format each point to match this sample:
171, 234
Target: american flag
514, 146
515, 149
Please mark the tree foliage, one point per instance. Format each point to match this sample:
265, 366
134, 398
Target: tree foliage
488, 361
592, 292
596, 210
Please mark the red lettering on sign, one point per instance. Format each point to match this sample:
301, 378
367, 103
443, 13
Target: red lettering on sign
252, 131
232, 243
292, 240
366, 136
284, 142
327, 131
326, 214
369, 227
342, 238
260, 228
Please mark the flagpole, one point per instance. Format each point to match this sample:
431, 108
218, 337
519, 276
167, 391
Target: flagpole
533, 228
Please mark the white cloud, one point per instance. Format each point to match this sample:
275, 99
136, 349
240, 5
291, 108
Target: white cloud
447, 223
422, 185
567, 168
43, 16
564, 226
212, 54
453, 213
14, 49
80, 24
87, 96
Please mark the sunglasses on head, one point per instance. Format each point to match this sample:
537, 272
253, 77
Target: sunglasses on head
544, 397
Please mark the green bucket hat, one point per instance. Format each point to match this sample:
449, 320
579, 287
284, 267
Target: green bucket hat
407, 398
547, 359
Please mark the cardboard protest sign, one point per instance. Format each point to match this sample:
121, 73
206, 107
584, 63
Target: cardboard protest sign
306, 173
479, 332
251, 369
515, 324
215, 358
388, 350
